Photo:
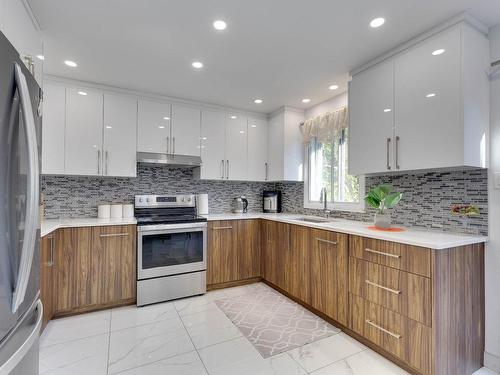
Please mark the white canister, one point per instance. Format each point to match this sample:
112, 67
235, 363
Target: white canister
202, 204
128, 211
116, 211
103, 211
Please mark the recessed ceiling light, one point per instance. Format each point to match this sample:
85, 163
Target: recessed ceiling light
258, 101
40, 57
377, 22
71, 63
161, 127
306, 100
254, 126
204, 138
219, 25
431, 95
197, 64
234, 117
108, 127
242, 132
438, 52
82, 93
166, 118
333, 87
387, 110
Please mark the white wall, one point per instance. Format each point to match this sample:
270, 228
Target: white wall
329, 105
492, 355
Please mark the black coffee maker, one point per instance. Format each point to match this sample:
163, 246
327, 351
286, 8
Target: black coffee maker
271, 201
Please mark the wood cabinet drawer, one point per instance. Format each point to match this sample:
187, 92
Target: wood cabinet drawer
402, 292
408, 258
400, 336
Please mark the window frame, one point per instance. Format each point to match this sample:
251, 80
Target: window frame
333, 206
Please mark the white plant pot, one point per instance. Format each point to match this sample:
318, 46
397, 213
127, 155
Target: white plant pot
382, 221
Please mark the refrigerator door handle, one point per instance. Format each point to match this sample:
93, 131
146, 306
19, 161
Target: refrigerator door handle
32, 192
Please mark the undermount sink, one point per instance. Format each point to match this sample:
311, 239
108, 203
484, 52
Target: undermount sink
315, 220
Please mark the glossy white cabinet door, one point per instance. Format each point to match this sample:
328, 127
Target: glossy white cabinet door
257, 150
153, 133
428, 104
120, 136
275, 147
53, 128
213, 137
185, 130
83, 151
371, 120
236, 148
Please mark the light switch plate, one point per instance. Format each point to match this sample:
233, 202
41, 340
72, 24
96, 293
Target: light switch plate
497, 180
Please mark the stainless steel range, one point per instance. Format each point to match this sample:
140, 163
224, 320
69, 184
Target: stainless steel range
171, 248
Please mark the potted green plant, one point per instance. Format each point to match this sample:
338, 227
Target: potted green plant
382, 197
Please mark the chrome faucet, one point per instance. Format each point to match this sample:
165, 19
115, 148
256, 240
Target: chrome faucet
324, 199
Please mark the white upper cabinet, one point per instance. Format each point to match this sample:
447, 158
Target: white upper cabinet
236, 148
440, 106
371, 116
213, 137
154, 120
257, 150
53, 128
285, 146
120, 136
185, 131
83, 151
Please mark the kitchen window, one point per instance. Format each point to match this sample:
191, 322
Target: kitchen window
326, 138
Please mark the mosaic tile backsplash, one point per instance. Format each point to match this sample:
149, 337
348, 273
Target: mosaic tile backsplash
427, 197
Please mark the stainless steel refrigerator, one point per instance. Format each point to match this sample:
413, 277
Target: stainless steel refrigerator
20, 150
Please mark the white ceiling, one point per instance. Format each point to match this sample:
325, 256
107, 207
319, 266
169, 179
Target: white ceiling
277, 50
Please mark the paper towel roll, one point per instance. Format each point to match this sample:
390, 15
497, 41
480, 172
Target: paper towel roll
116, 211
202, 204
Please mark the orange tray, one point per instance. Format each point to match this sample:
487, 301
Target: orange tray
394, 229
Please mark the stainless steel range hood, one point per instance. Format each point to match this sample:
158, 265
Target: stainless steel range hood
168, 160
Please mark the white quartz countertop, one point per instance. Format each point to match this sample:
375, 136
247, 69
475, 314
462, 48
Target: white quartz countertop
49, 225
416, 237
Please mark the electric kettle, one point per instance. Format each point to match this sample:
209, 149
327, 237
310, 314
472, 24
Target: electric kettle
239, 205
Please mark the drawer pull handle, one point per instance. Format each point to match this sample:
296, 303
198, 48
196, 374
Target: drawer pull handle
383, 287
217, 228
368, 321
382, 253
326, 241
114, 235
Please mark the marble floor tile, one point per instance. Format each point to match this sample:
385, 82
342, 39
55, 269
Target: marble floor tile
76, 327
366, 362
210, 327
183, 364
239, 357
140, 345
485, 371
78, 357
326, 351
131, 316
194, 305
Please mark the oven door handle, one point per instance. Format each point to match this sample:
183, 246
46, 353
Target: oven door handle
171, 228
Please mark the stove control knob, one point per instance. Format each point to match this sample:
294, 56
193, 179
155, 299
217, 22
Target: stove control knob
183, 199
140, 200
189, 199
147, 200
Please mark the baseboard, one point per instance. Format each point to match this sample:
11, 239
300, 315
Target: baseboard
492, 361
231, 284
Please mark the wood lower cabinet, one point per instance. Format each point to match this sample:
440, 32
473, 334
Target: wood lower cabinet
47, 277
271, 262
233, 251
94, 268
297, 262
329, 270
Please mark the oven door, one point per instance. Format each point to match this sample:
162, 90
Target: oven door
171, 249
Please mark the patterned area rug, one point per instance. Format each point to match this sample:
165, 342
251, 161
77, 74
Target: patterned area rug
273, 323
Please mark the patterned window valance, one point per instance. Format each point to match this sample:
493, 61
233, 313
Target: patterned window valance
325, 127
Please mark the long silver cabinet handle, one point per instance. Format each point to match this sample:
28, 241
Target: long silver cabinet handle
168, 144
326, 241
382, 253
218, 228
397, 152
227, 166
32, 192
222, 169
173, 145
382, 287
388, 140
51, 263
98, 161
107, 162
368, 321
114, 235
267, 172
